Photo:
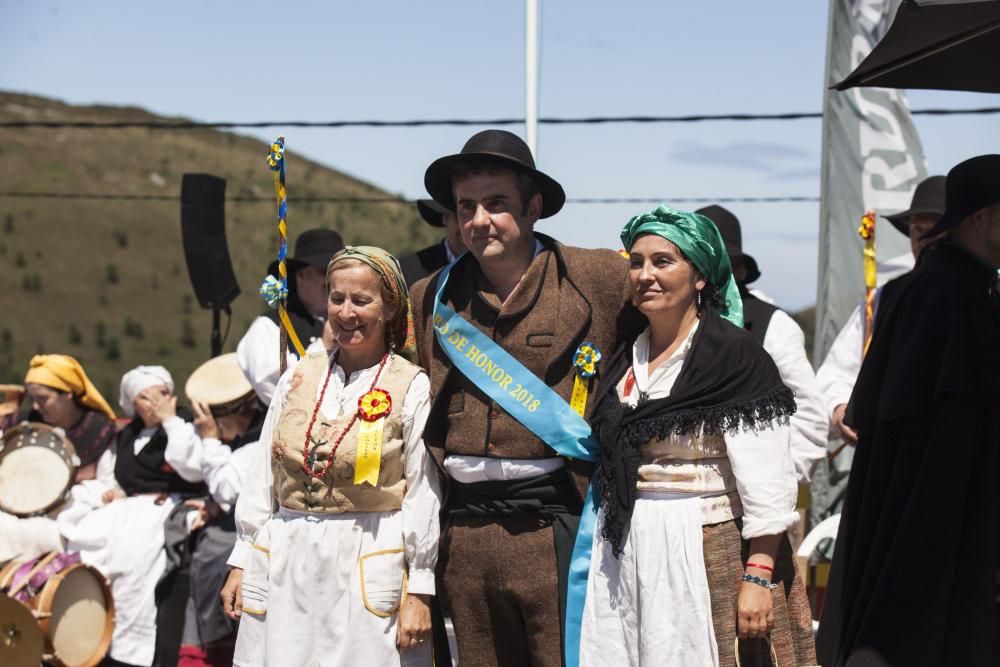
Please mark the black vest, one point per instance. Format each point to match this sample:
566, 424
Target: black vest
756, 315
149, 472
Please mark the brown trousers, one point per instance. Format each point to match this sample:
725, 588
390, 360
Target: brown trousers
501, 583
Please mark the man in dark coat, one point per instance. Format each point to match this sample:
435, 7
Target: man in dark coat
425, 262
914, 575
512, 502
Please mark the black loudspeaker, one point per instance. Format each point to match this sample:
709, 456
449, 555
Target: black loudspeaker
203, 230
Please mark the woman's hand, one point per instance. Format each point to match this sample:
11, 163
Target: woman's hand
162, 406
232, 595
111, 495
754, 605
755, 611
208, 511
204, 422
413, 627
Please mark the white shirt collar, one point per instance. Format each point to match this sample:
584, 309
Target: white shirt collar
670, 367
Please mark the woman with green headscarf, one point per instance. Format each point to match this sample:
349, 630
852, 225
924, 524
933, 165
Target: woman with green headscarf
337, 526
696, 486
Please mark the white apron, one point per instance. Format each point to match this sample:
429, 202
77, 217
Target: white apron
652, 606
323, 589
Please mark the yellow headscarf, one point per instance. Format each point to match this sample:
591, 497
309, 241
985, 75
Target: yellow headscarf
65, 373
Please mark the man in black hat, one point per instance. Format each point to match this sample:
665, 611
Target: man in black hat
783, 339
513, 501
257, 351
837, 374
914, 575
425, 262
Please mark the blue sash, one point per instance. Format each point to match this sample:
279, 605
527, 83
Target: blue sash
543, 412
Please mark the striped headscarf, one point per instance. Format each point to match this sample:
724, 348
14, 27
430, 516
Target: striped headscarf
398, 330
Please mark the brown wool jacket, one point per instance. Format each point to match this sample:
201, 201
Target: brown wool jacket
568, 296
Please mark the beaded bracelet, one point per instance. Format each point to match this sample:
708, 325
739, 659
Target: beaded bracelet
753, 579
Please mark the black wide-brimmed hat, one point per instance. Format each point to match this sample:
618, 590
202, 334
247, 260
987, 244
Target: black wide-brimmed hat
928, 199
432, 212
313, 247
495, 146
729, 227
971, 186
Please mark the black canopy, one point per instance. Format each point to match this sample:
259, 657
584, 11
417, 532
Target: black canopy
937, 44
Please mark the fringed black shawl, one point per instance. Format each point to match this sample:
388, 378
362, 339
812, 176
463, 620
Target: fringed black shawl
727, 382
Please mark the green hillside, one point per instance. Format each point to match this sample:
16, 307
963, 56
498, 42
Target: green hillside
106, 281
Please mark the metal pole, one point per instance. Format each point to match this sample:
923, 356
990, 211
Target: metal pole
531, 24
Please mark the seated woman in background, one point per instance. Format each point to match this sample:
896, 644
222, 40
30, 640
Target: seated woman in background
696, 483
338, 521
125, 538
228, 420
62, 396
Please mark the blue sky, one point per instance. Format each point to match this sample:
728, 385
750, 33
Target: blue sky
254, 60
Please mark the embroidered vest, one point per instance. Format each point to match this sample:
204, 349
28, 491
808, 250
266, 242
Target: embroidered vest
336, 492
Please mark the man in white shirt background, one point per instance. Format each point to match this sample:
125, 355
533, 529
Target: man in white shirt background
257, 351
839, 370
783, 339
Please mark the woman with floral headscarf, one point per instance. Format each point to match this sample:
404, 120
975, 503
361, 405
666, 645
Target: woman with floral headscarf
696, 485
337, 526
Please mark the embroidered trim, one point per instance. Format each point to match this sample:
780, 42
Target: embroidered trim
364, 592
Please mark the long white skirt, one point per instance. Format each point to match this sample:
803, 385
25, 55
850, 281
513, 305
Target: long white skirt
323, 589
651, 606
124, 540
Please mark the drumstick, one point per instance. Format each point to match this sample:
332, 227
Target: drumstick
45, 560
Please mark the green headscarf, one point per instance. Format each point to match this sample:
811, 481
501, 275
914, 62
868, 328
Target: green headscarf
387, 267
700, 241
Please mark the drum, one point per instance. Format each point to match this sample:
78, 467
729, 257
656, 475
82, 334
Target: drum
37, 469
21, 640
72, 604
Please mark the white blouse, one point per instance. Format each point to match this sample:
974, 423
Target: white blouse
421, 503
745, 472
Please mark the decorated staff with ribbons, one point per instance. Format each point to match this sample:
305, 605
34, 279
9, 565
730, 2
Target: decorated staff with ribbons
506, 332
294, 290
337, 523
696, 483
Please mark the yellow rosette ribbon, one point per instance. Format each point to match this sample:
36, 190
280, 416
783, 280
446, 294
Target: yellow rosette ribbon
585, 361
373, 408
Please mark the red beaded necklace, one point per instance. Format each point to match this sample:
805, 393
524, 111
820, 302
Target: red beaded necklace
354, 418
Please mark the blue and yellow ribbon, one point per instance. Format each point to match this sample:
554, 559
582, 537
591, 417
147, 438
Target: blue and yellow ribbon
274, 293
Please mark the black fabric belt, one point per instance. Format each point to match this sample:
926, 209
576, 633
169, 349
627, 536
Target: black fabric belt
549, 494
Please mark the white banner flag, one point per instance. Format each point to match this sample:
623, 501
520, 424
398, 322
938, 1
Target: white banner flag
872, 159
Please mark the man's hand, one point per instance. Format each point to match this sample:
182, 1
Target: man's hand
849, 435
